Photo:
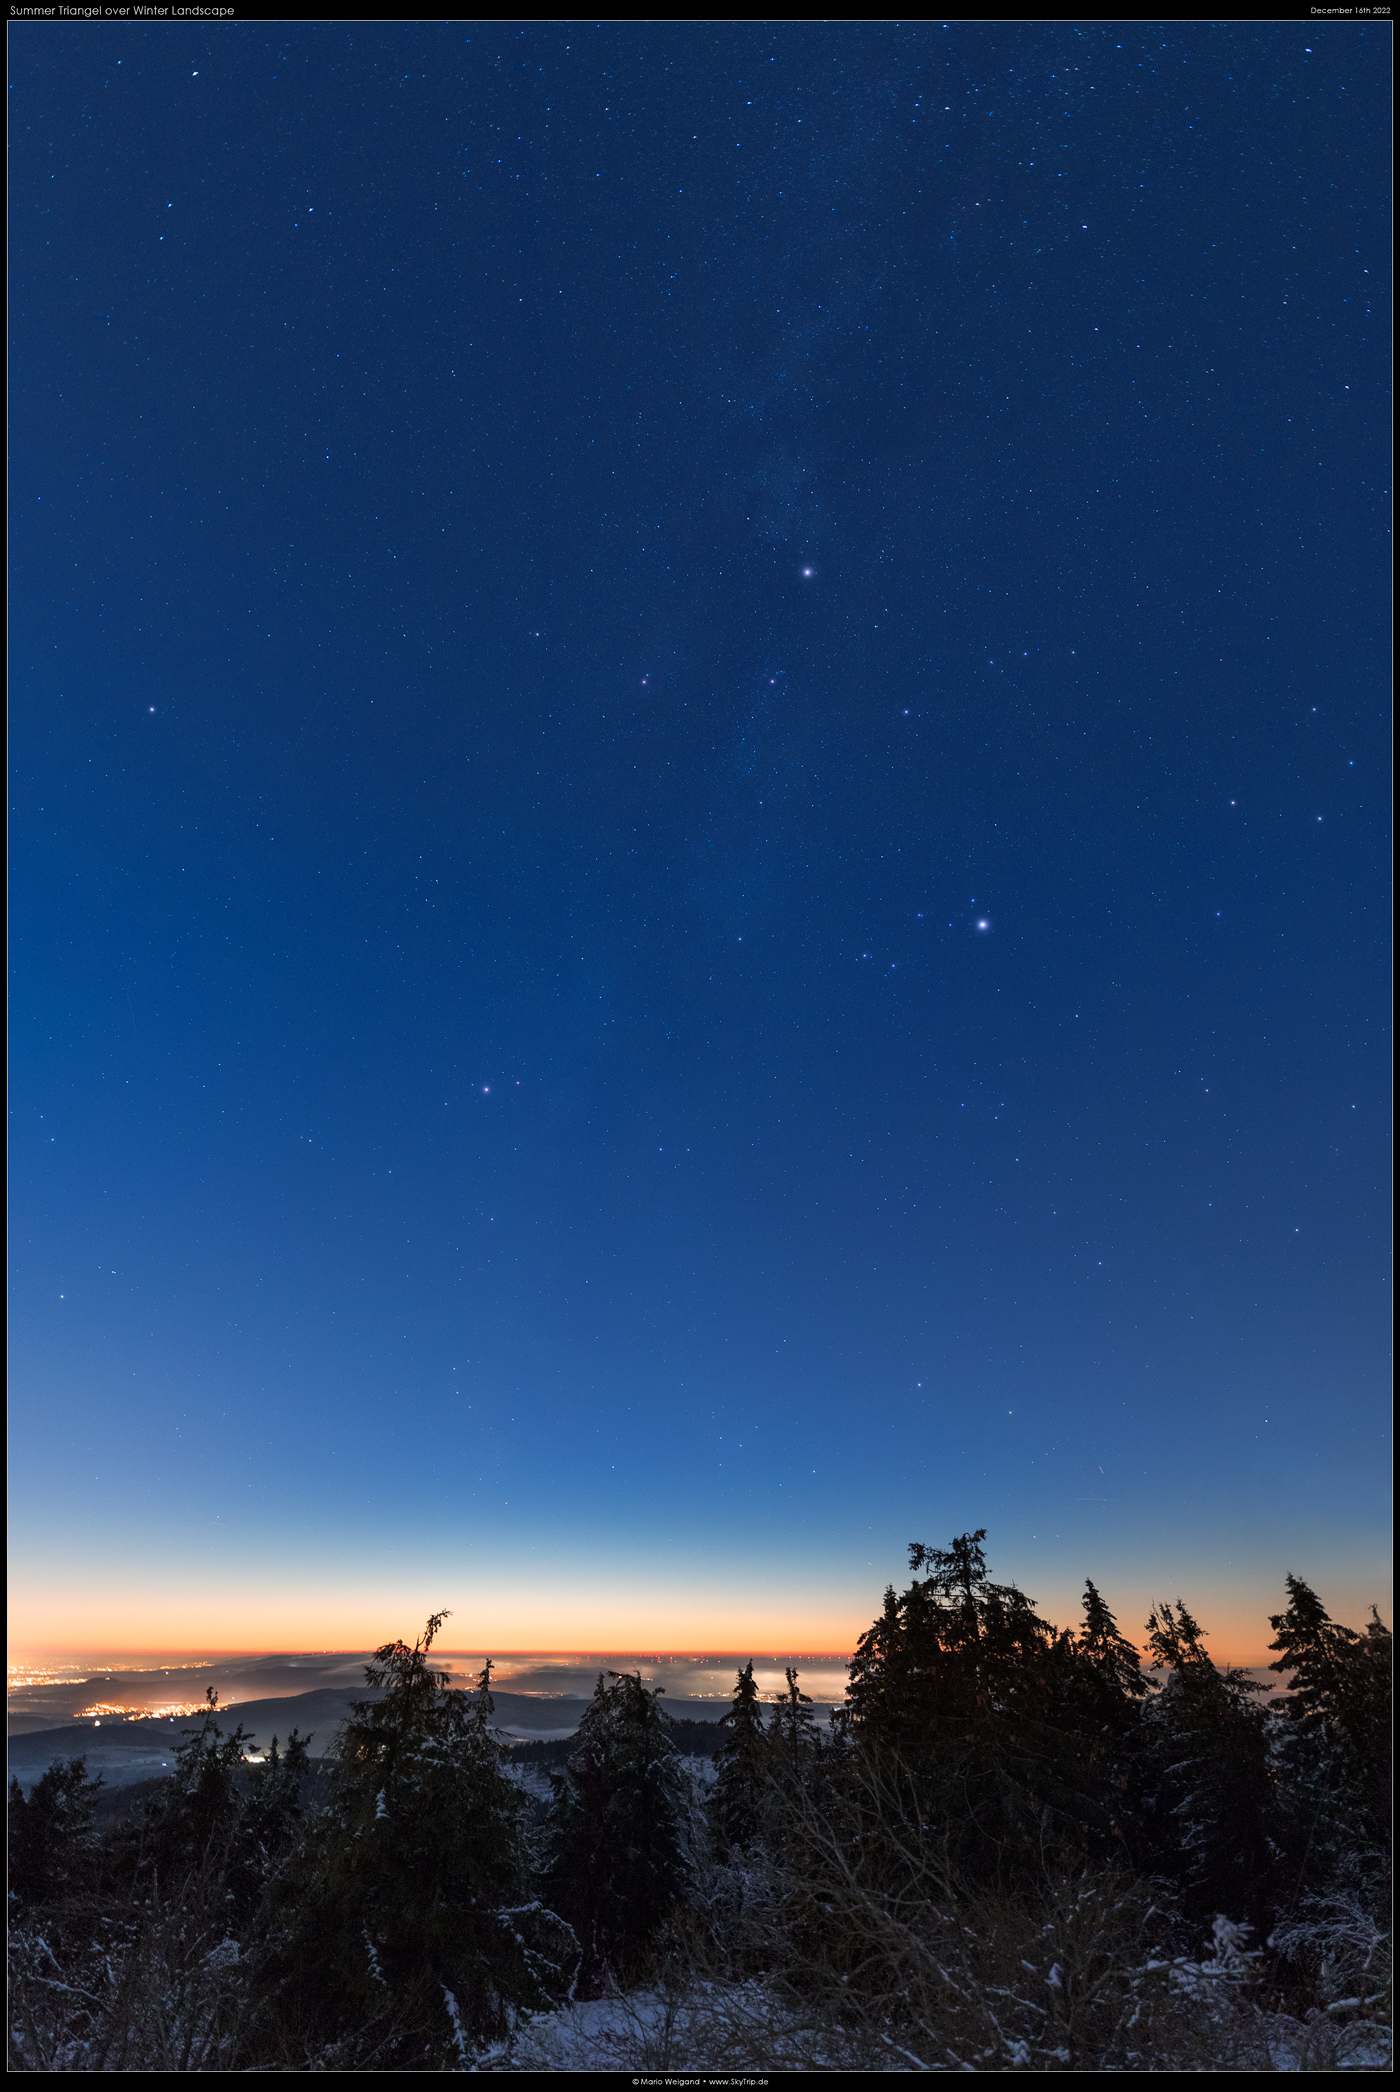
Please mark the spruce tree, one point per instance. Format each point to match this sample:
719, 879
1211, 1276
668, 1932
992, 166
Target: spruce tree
794, 1728
1366, 1716
1315, 1648
191, 1825
1333, 1743
402, 1927
736, 1801
1097, 1691
271, 1818
619, 1861
1210, 1814
947, 1652
962, 1682
878, 1680
1341, 1682
1110, 1661
52, 1838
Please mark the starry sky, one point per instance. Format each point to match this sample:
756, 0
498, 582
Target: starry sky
698, 824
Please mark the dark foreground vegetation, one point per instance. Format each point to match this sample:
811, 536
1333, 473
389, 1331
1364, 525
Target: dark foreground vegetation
1011, 1849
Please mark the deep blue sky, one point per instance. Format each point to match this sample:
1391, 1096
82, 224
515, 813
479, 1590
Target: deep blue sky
699, 795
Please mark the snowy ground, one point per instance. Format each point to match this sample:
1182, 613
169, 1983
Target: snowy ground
714, 2027
741, 2028
1325, 2043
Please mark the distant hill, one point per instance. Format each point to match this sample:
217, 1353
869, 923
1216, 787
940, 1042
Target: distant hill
123, 1752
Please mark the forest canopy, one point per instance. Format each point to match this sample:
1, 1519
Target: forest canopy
1013, 1845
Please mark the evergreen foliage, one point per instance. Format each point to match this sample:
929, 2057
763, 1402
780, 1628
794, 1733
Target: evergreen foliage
794, 1730
736, 1804
999, 1717
1341, 1686
1332, 1751
405, 1926
949, 1652
1011, 1849
1110, 1667
192, 1822
1209, 1809
619, 1860
52, 1838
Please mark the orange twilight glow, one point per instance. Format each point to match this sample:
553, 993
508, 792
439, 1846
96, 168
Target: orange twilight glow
154, 1626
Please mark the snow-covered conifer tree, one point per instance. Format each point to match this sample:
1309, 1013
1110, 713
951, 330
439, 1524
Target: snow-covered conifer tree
741, 1768
1209, 1810
404, 1925
619, 1860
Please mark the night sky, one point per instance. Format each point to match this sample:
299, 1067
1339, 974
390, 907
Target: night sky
698, 824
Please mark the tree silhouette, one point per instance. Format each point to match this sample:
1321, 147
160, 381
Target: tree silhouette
618, 1855
736, 1804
